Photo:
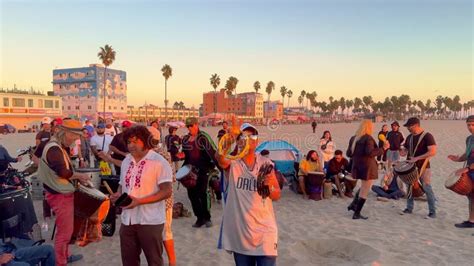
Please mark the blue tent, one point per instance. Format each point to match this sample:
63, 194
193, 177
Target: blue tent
283, 154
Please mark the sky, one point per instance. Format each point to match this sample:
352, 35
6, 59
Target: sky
339, 48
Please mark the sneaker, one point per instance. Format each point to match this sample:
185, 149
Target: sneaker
208, 224
465, 224
406, 211
74, 258
431, 215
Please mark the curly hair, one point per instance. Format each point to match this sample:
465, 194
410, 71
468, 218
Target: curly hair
141, 133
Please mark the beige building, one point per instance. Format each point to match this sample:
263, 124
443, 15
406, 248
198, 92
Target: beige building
248, 104
22, 108
147, 113
273, 110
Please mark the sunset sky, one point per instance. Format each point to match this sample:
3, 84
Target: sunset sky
337, 48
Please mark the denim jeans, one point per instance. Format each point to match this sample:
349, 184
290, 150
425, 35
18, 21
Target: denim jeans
33, 255
429, 196
247, 260
389, 194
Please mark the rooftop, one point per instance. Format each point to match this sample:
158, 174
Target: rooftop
31, 91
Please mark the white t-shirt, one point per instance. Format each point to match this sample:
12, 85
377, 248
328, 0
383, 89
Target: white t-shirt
248, 224
98, 141
328, 153
142, 179
112, 131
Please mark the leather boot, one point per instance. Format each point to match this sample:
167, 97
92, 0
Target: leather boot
360, 205
352, 206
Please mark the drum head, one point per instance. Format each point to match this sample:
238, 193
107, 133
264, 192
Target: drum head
183, 171
93, 192
317, 173
403, 167
452, 179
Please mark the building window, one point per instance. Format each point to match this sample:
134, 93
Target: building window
6, 102
56, 104
18, 102
88, 96
30, 103
48, 104
110, 107
40, 103
69, 107
89, 107
121, 108
77, 107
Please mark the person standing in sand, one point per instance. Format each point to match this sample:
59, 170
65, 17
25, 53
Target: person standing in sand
395, 138
467, 157
363, 150
419, 147
327, 148
249, 227
56, 172
199, 151
314, 125
146, 177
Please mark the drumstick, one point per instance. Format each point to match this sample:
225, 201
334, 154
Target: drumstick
107, 187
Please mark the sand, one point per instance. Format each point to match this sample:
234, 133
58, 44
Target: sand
323, 233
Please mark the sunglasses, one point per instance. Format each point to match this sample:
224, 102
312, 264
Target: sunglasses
252, 137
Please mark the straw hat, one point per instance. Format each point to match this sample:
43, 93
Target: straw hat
73, 126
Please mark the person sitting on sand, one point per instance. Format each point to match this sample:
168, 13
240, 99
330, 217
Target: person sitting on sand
310, 164
336, 166
391, 187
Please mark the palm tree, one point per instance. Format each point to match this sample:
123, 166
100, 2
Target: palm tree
289, 93
300, 100
357, 104
303, 95
342, 103
283, 91
349, 104
176, 105
107, 56
314, 95
231, 85
167, 73
215, 82
256, 86
269, 89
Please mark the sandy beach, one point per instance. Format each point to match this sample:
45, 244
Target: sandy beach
322, 232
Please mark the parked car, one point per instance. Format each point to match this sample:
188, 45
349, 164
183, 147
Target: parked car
7, 128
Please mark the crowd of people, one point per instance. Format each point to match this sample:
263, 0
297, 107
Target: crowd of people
146, 168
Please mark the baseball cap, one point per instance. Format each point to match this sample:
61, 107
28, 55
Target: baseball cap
101, 125
191, 121
470, 119
46, 120
395, 123
58, 121
246, 126
126, 124
412, 121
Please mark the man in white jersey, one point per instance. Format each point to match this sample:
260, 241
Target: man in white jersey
249, 229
